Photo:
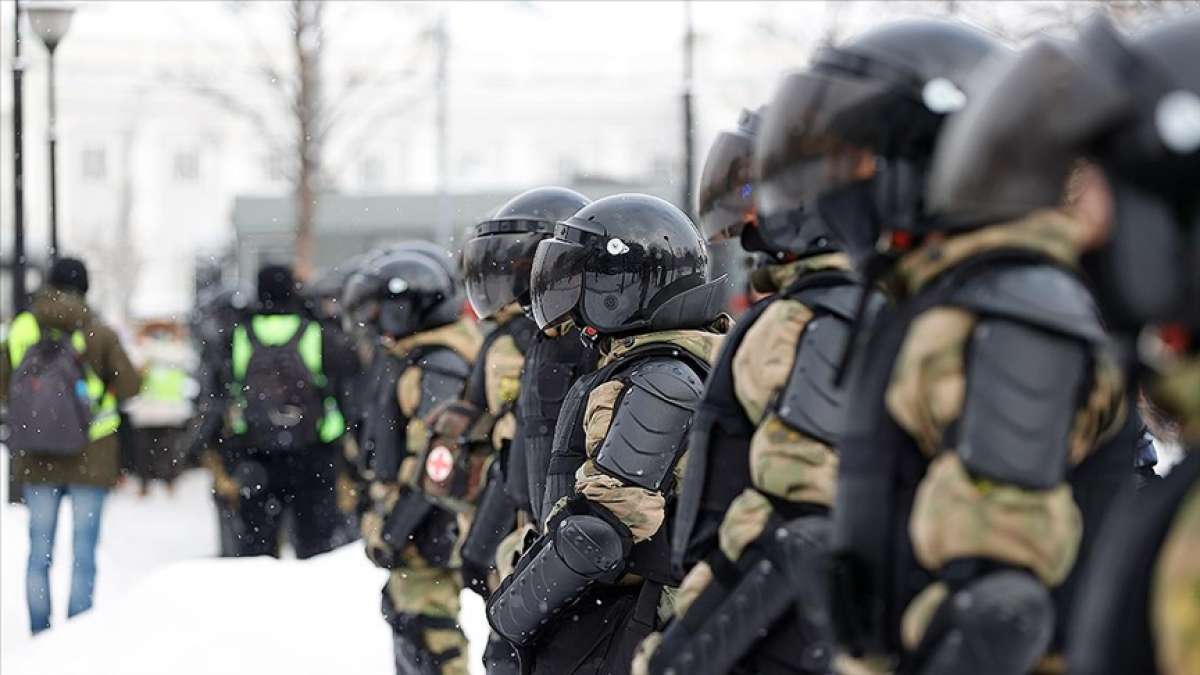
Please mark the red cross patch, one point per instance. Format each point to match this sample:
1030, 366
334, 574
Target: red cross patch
439, 464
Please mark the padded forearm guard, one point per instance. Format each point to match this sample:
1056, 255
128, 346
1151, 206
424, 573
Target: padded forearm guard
724, 624
580, 551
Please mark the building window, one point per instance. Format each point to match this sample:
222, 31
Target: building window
186, 166
95, 164
370, 173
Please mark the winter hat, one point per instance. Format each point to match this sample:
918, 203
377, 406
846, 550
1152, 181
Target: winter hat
276, 285
69, 274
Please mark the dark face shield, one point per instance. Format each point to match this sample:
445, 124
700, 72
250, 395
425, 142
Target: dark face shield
726, 200
497, 268
556, 283
805, 153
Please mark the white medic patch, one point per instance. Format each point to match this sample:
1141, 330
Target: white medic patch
439, 463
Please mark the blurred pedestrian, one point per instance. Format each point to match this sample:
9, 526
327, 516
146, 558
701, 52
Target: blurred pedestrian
281, 399
63, 374
161, 411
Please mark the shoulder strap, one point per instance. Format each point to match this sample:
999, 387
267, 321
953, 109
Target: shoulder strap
819, 279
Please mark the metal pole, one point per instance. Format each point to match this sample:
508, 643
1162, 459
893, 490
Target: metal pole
444, 226
689, 144
18, 122
52, 136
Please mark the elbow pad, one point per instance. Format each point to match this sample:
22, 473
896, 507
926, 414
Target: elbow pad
582, 550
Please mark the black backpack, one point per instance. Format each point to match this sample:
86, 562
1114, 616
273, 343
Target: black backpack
49, 411
284, 405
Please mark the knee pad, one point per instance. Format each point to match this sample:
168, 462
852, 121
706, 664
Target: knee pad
999, 624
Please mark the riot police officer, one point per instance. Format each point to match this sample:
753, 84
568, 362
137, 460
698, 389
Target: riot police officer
753, 514
1132, 109
975, 397
417, 313
631, 271
496, 263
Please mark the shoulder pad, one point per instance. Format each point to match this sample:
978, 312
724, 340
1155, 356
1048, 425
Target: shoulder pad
841, 300
650, 423
1023, 389
1042, 295
443, 375
810, 401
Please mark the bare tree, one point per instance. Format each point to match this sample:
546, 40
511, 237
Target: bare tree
301, 107
310, 125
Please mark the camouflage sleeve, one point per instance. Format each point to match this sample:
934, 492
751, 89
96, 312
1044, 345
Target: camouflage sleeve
641, 510
929, 378
502, 383
408, 395
1175, 603
955, 514
1103, 411
783, 461
744, 522
765, 357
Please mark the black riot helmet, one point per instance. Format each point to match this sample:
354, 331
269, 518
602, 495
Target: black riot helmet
853, 135
498, 256
218, 311
326, 293
625, 263
411, 290
725, 194
1130, 106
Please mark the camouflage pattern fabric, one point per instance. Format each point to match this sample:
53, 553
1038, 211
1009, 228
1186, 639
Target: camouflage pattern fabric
502, 383
1051, 232
421, 590
510, 549
775, 278
793, 466
598, 413
920, 612
1103, 411
462, 336
957, 516
1177, 392
641, 510
929, 376
702, 344
764, 358
1175, 593
415, 587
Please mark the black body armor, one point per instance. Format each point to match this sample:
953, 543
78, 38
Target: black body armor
551, 366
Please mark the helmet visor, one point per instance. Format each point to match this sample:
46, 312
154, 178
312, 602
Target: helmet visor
726, 190
497, 268
556, 283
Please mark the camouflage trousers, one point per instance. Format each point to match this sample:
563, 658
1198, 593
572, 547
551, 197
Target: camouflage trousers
422, 606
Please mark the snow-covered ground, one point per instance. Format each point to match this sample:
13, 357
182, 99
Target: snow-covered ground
165, 605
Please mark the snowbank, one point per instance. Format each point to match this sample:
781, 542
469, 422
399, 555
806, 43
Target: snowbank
165, 606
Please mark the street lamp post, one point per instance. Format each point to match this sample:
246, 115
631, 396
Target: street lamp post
18, 253
51, 22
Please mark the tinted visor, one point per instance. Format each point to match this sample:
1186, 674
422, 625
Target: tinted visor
726, 190
497, 268
556, 283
